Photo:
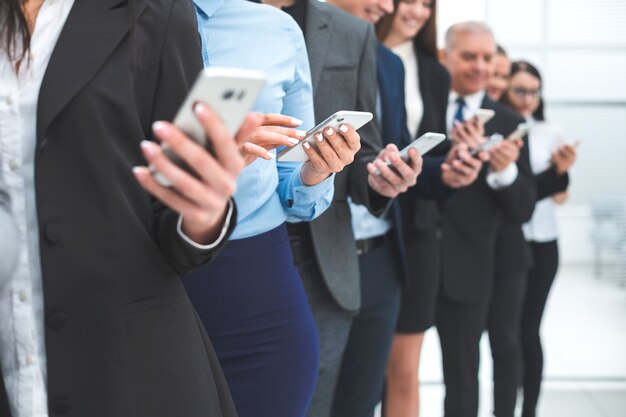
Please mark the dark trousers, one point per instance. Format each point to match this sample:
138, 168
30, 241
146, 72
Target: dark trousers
540, 279
333, 325
460, 326
505, 313
362, 375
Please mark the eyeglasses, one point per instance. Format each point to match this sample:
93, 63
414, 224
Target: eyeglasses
522, 92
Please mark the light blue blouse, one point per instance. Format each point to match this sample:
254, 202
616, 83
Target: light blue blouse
239, 33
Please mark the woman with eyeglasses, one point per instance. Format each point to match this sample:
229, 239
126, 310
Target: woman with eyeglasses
550, 158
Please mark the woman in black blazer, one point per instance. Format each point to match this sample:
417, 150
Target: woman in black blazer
121, 337
427, 90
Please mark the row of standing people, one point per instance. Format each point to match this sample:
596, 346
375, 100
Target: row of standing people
252, 299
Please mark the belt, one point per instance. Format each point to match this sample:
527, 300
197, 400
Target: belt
367, 245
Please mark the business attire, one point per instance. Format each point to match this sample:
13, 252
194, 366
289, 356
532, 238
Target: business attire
342, 54
99, 260
382, 260
251, 299
542, 233
472, 220
427, 86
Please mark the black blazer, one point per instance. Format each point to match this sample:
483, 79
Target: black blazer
434, 82
473, 217
122, 338
5, 411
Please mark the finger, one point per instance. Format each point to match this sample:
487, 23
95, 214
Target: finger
340, 145
194, 155
271, 140
251, 150
183, 182
379, 183
328, 153
173, 199
224, 146
352, 138
387, 174
408, 172
274, 119
315, 158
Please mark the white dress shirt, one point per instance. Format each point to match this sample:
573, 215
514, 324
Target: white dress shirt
22, 349
495, 180
412, 96
543, 139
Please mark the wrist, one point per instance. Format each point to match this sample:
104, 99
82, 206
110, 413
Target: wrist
310, 176
206, 230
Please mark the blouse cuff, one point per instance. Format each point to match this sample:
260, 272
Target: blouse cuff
502, 179
219, 239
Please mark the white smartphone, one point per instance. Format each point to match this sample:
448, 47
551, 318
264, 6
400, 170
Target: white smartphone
490, 143
230, 92
423, 144
520, 132
354, 119
484, 115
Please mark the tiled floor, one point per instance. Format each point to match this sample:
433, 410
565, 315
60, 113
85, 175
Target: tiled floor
584, 334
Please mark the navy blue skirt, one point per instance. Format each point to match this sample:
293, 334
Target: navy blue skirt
255, 310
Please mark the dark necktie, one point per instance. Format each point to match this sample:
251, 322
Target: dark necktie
459, 111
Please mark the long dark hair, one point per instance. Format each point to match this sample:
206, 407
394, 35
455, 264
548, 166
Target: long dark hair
527, 67
426, 39
14, 35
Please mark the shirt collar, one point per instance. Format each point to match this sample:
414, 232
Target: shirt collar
472, 101
208, 7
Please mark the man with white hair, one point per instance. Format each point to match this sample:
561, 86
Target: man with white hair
475, 217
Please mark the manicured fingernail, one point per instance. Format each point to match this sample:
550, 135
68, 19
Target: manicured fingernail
201, 109
330, 132
271, 155
293, 141
296, 122
148, 147
319, 137
343, 129
140, 171
161, 128
300, 133
306, 145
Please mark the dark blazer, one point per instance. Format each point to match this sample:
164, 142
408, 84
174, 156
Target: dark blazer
5, 411
473, 217
343, 78
394, 130
550, 182
122, 338
434, 82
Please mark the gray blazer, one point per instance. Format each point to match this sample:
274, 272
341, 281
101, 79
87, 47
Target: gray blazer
8, 235
342, 55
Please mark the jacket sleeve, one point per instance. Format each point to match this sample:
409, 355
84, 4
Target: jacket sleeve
371, 143
550, 182
518, 200
179, 66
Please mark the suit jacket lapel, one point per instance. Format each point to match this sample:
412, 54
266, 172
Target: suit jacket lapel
94, 28
318, 27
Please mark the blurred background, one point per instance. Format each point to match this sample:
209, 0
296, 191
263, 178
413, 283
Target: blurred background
580, 48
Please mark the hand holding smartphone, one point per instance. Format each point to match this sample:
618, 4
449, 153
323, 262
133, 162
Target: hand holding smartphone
423, 144
355, 119
230, 92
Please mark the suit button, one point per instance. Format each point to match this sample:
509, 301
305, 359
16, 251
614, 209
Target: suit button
53, 232
60, 407
56, 321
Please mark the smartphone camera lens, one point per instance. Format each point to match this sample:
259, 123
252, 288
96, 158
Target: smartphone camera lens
228, 94
241, 95
340, 119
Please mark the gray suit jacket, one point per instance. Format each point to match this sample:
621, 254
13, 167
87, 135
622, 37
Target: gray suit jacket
8, 235
342, 55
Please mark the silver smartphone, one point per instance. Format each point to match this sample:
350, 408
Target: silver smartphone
354, 119
490, 143
484, 115
520, 132
423, 144
230, 92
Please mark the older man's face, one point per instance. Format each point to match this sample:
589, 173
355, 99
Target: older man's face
470, 61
